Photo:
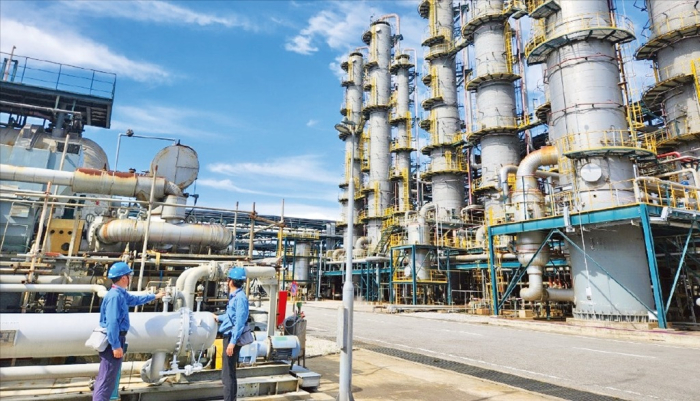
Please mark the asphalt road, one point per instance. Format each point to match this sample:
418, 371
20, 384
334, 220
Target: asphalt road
624, 369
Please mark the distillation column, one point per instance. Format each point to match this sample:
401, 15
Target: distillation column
448, 167
588, 126
352, 110
402, 119
674, 47
495, 127
377, 106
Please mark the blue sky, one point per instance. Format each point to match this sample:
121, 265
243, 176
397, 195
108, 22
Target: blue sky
252, 86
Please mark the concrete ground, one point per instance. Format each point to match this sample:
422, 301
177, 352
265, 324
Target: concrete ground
380, 377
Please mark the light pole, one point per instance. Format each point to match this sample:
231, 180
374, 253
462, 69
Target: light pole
346, 311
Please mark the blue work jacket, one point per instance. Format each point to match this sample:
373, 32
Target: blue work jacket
114, 312
233, 322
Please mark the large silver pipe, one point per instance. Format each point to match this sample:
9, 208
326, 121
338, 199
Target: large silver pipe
211, 271
18, 373
63, 334
481, 256
100, 290
161, 232
85, 180
528, 201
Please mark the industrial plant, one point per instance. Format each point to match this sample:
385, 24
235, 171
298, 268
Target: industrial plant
582, 206
575, 201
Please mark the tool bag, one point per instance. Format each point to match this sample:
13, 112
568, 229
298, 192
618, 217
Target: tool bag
246, 337
98, 340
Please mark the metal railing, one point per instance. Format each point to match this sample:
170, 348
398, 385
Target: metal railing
675, 22
66, 77
678, 128
606, 140
543, 31
675, 70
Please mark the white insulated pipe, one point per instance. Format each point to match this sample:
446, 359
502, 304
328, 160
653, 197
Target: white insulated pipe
189, 284
127, 230
100, 290
267, 277
85, 180
63, 334
18, 373
528, 196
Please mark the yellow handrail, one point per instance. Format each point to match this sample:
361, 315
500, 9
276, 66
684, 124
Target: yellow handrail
695, 68
610, 139
678, 21
508, 37
542, 31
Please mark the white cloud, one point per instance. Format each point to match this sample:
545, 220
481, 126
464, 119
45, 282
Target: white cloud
174, 122
300, 210
158, 11
72, 48
300, 44
228, 185
298, 168
311, 123
339, 28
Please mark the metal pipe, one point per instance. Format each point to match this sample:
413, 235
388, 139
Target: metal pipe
146, 232
52, 110
84, 180
481, 256
211, 271
20, 373
217, 237
62, 334
100, 290
21, 279
528, 198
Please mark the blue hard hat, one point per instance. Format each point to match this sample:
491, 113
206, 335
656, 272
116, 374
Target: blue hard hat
237, 273
119, 269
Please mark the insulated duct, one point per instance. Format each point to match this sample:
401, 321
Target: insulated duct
100, 290
528, 201
160, 232
17, 373
63, 334
85, 180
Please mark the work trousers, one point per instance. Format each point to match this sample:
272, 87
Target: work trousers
228, 372
106, 379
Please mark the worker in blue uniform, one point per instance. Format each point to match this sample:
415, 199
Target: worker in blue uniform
114, 317
233, 322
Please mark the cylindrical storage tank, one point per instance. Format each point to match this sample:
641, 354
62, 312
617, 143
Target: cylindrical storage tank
178, 164
496, 102
487, 7
378, 105
489, 48
51, 335
93, 155
626, 260
667, 16
498, 151
448, 195
302, 255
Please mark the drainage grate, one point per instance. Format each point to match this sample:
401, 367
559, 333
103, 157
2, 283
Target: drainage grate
492, 375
